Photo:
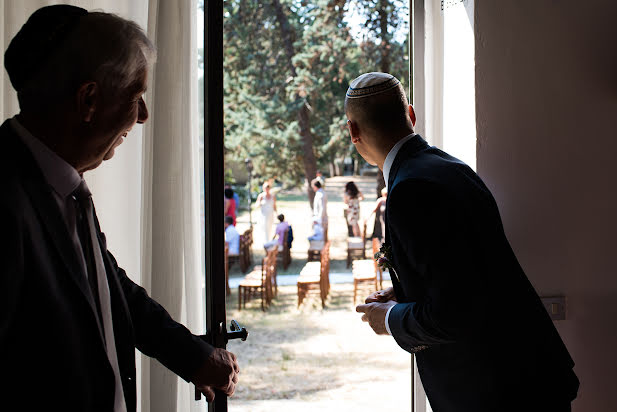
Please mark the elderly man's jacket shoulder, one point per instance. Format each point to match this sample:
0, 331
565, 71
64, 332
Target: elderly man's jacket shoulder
51, 348
464, 297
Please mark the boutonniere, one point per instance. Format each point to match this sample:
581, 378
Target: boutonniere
384, 258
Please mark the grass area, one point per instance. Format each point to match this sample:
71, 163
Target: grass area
309, 358
308, 354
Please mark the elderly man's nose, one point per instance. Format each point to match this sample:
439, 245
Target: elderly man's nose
142, 115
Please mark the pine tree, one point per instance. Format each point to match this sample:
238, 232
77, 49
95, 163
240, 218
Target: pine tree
384, 18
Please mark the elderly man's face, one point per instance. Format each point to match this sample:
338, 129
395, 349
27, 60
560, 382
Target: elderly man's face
116, 114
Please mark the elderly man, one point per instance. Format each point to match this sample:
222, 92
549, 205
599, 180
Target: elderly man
70, 318
460, 299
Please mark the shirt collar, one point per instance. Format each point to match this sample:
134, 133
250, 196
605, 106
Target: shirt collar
60, 175
387, 164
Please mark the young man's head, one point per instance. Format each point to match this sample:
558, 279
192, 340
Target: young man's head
229, 221
281, 218
378, 115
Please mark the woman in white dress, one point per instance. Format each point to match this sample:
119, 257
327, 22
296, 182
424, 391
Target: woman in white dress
266, 201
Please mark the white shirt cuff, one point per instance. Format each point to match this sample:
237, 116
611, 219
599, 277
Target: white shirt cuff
388, 317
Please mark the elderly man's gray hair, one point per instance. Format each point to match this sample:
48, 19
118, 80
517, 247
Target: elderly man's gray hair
103, 48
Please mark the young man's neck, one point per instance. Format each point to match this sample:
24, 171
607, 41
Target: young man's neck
389, 143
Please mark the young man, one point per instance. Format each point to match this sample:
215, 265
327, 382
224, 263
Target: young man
460, 300
70, 318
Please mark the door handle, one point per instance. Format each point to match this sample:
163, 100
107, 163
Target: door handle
235, 332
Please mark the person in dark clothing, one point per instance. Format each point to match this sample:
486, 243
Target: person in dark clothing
452, 270
70, 317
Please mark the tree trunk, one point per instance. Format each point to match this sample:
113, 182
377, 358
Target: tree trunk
303, 115
385, 38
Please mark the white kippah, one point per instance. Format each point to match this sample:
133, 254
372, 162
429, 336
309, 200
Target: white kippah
370, 84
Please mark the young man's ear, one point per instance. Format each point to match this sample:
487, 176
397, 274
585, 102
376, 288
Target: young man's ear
87, 96
353, 131
412, 115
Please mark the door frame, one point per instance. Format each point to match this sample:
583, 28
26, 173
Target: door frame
213, 180
214, 171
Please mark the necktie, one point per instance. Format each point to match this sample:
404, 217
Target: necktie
97, 278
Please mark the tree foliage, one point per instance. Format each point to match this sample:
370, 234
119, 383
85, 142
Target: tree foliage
287, 66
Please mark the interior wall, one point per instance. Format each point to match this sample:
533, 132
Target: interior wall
546, 109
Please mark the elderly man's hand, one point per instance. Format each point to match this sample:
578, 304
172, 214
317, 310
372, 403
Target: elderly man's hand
381, 296
219, 371
375, 315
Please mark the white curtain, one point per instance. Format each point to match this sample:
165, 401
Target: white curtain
147, 196
170, 214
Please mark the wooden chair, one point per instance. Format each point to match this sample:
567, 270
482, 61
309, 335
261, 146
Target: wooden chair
316, 276
260, 279
366, 271
246, 255
356, 246
248, 234
284, 256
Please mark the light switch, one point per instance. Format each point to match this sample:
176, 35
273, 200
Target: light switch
555, 306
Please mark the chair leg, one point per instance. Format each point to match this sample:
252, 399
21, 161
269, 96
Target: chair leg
301, 295
355, 291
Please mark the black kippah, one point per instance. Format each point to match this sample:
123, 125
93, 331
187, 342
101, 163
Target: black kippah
38, 40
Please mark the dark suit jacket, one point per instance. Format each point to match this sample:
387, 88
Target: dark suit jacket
491, 344
52, 353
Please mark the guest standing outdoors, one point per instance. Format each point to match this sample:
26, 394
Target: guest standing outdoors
320, 205
352, 197
230, 204
379, 227
266, 201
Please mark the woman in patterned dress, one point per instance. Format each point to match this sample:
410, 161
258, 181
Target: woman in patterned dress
352, 198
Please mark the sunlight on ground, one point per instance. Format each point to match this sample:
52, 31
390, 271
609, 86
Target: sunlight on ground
307, 359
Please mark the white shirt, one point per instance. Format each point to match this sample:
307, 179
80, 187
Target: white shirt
317, 233
233, 238
387, 165
320, 206
60, 176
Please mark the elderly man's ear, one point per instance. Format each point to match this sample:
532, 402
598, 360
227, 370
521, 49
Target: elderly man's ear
87, 96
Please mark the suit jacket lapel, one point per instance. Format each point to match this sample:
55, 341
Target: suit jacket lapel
50, 216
